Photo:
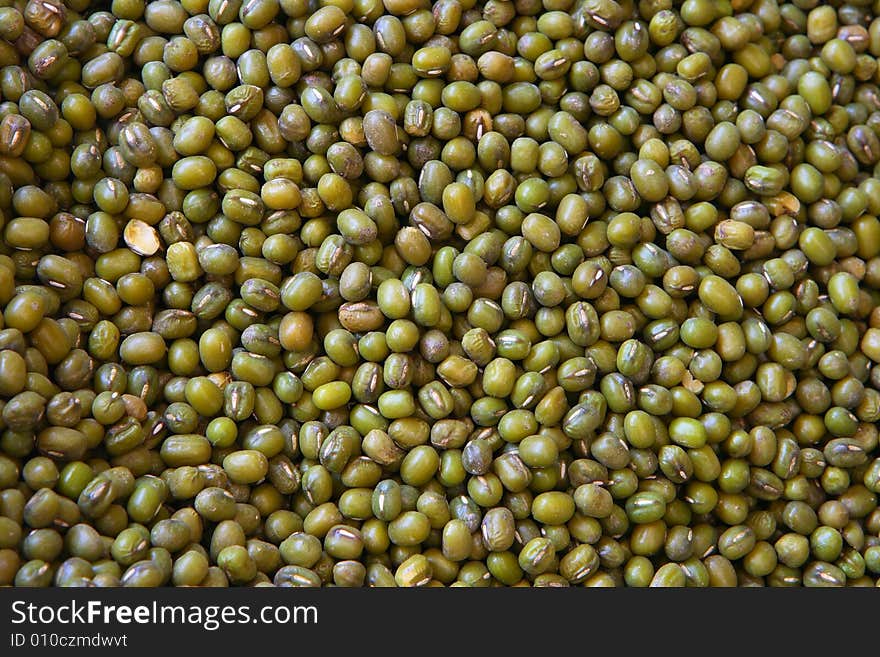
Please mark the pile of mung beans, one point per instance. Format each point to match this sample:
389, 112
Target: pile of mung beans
452, 293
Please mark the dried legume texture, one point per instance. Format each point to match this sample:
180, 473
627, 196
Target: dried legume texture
401, 293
